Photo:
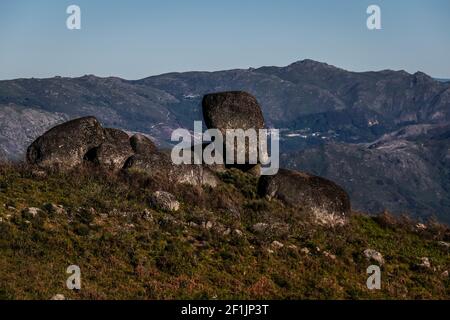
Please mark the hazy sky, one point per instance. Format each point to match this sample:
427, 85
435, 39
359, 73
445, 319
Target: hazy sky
134, 39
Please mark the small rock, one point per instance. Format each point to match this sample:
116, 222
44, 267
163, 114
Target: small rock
238, 232
425, 263
445, 274
277, 245
444, 244
227, 232
164, 201
304, 250
38, 173
58, 297
270, 251
421, 226
292, 247
374, 255
260, 227
58, 209
207, 225
329, 255
147, 215
31, 212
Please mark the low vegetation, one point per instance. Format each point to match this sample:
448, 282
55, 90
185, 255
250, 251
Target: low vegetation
222, 243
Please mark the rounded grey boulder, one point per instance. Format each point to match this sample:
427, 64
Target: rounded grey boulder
65, 145
325, 198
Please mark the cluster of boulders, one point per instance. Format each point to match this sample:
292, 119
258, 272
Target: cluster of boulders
84, 140
74, 142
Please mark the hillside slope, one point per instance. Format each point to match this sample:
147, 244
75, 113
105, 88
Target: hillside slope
222, 243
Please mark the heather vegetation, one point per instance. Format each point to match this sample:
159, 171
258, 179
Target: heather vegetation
223, 242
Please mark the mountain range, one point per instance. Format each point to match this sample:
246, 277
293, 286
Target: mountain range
384, 136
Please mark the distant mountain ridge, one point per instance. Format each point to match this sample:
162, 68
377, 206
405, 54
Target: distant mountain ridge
319, 107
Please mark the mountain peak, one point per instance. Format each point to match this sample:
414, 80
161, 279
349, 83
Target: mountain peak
309, 63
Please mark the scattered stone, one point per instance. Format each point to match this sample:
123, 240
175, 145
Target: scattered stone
329, 255
227, 232
323, 217
260, 227
424, 263
29, 213
164, 201
277, 245
444, 244
445, 274
207, 225
421, 226
147, 215
374, 255
328, 202
292, 247
304, 250
53, 208
37, 173
238, 232
58, 297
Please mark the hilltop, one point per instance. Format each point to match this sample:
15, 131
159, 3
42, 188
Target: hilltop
325, 113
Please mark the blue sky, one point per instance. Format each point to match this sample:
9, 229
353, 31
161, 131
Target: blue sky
136, 38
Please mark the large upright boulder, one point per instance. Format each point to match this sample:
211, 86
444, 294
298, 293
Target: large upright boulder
66, 145
233, 110
326, 200
113, 152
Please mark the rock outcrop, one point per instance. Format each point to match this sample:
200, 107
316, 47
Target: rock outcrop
84, 139
159, 165
297, 189
69, 144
